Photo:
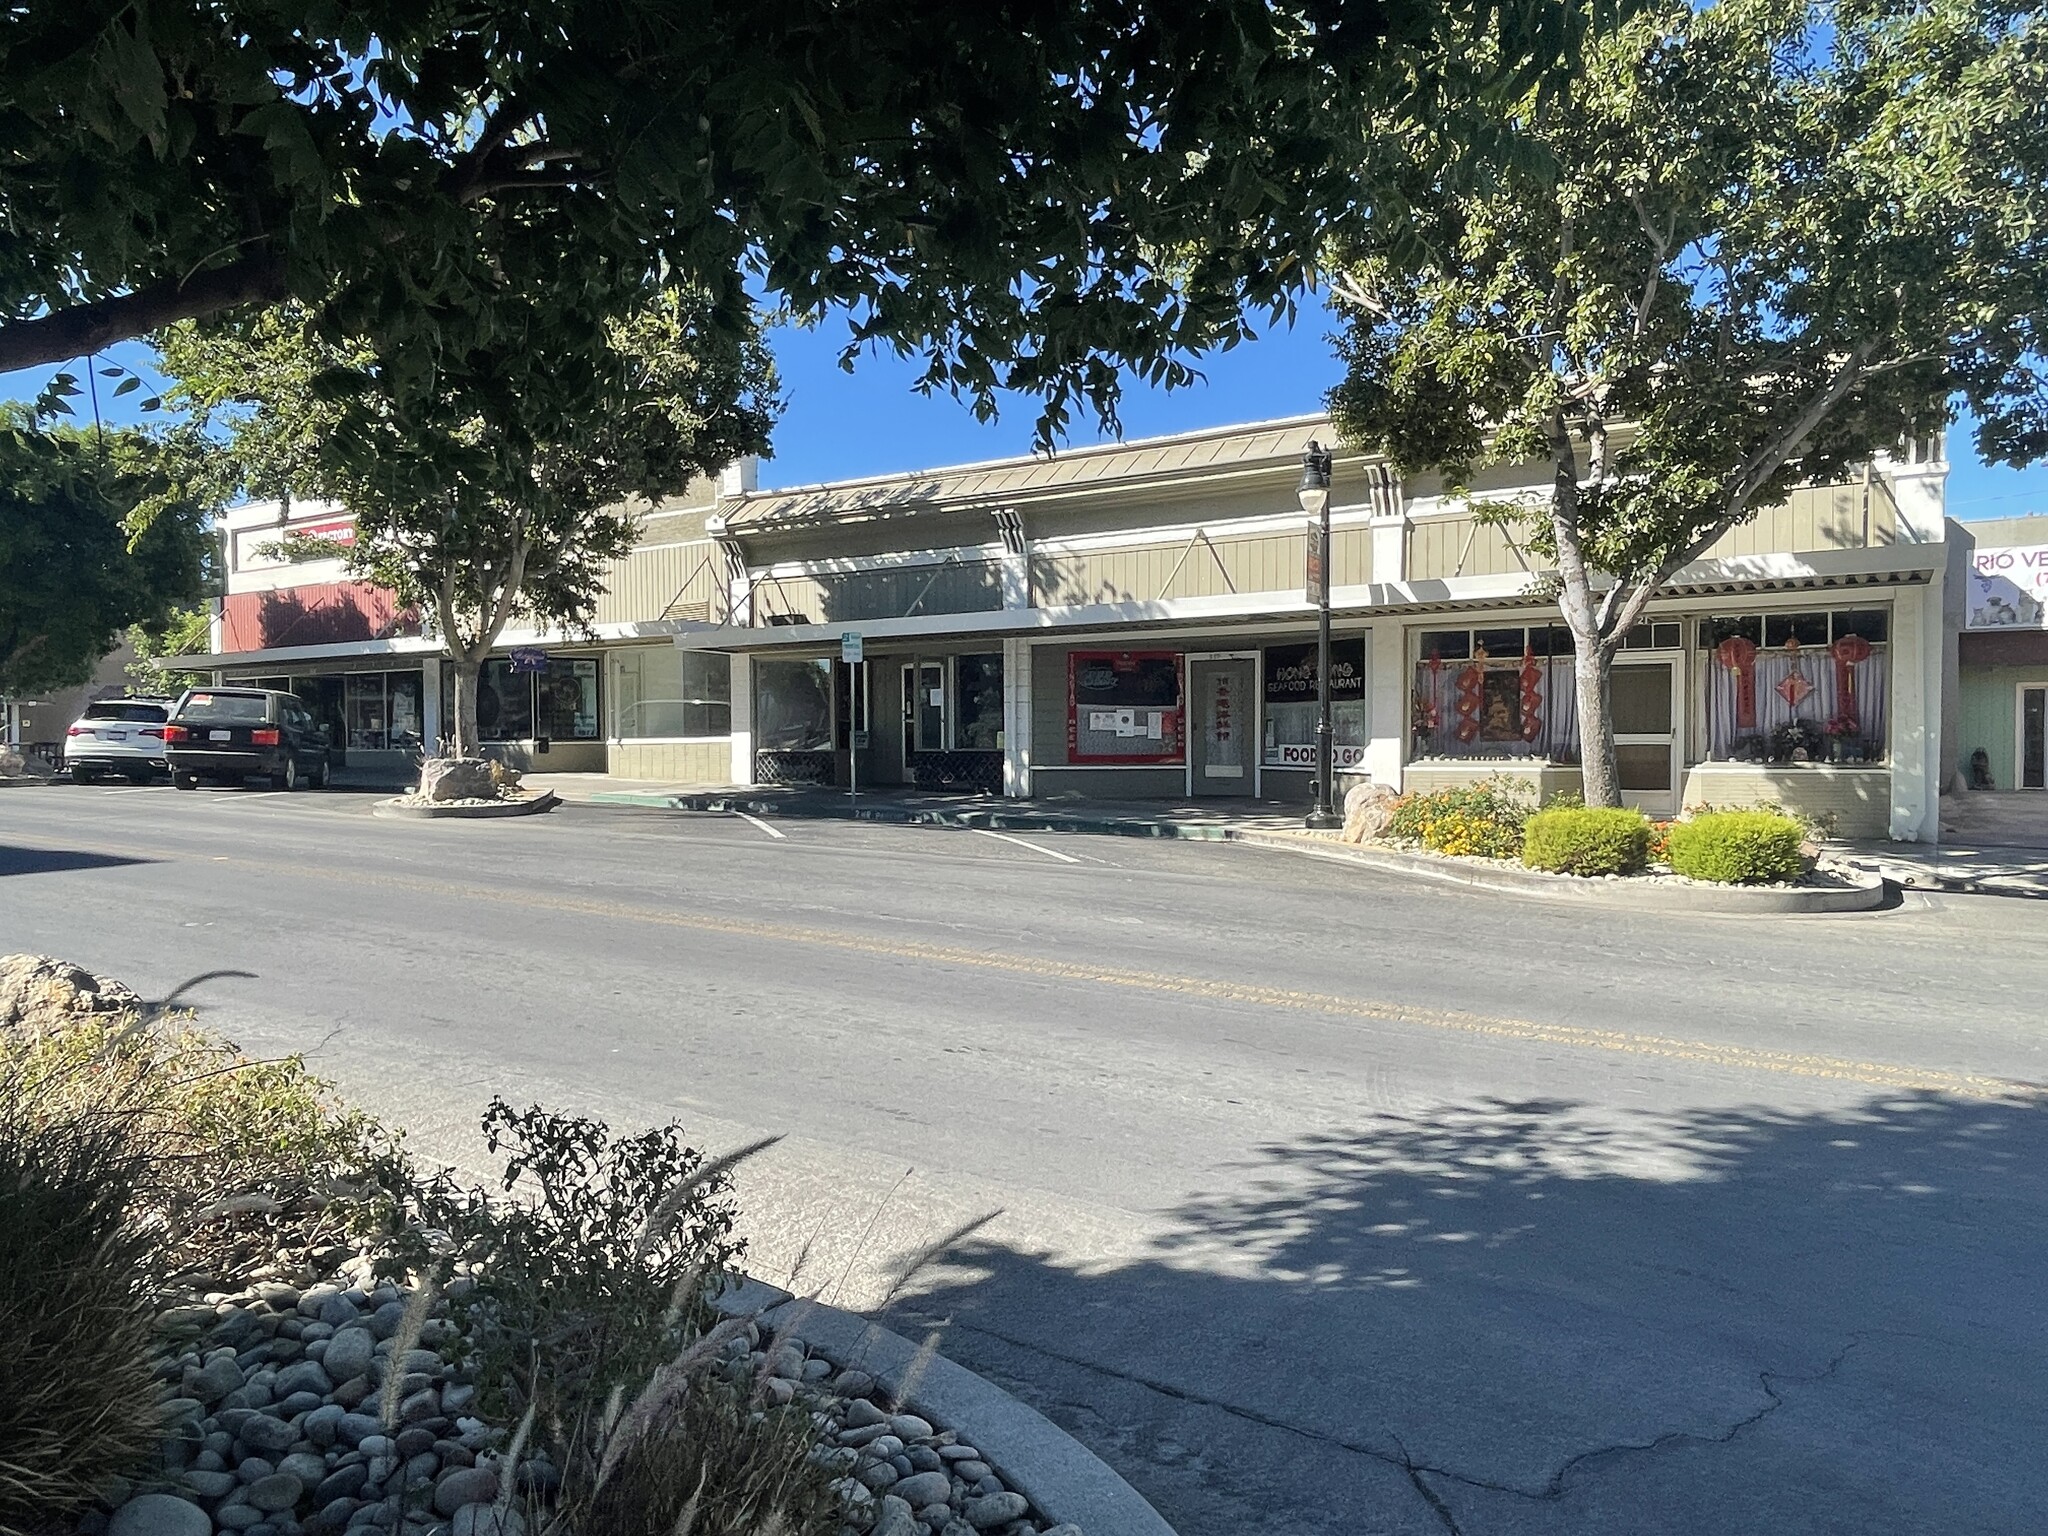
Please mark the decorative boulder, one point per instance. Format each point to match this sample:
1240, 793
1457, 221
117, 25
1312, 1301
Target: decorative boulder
39, 993
457, 778
1368, 812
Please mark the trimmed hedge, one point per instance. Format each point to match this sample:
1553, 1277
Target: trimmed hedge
1738, 847
1581, 841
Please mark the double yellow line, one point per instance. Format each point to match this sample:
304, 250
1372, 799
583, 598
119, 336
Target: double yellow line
1741, 1058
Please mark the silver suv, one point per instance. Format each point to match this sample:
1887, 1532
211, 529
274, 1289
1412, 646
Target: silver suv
124, 736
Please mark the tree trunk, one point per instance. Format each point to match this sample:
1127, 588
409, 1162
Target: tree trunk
1592, 666
466, 738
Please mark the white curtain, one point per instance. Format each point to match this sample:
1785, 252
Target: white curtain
1819, 704
1557, 741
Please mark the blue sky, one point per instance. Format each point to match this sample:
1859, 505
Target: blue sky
839, 426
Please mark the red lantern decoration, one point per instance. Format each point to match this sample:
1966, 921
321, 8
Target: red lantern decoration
1532, 696
1847, 651
1471, 688
1739, 657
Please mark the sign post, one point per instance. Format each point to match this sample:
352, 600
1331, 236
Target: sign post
850, 653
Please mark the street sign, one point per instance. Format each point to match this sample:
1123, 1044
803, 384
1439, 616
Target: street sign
860, 741
849, 647
529, 658
1316, 572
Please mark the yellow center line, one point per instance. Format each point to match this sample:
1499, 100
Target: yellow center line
1876, 1074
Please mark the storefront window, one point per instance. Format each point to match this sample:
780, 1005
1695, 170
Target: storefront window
1497, 693
1293, 705
666, 692
363, 704
978, 681
1816, 690
402, 699
1123, 707
793, 705
565, 696
504, 702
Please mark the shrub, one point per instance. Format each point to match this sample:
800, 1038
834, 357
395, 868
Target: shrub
1738, 847
1579, 841
77, 1393
1471, 821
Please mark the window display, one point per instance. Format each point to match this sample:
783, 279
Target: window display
978, 682
793, 705
504, 702
565, 699
1292, 705
664, 692
1123, 707
1499, 693
1816, 690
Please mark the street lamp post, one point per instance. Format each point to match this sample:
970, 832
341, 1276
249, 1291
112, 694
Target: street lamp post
1315, 501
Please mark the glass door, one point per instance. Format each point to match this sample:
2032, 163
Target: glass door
1220, 690
2033, 742
924, 707
1643, 696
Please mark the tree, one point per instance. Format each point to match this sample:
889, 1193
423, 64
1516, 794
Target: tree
181, 632
1750, 244
990, 186
71, 579
506, 489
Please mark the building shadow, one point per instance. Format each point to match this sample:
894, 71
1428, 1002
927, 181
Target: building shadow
51, 861
1548, 1317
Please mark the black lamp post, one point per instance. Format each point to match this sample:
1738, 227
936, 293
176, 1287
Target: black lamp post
1315, 501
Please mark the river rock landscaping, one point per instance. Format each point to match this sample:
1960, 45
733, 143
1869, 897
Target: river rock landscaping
233, 1303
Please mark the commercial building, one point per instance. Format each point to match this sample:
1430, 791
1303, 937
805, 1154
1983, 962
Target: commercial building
1130, 621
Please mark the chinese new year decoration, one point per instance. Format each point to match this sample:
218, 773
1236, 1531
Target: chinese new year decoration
1471, 687
1795, 685
1847, 650
1739, 657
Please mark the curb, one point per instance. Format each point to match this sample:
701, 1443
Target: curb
992, 819
1866, 896
391, 810
1065, 1482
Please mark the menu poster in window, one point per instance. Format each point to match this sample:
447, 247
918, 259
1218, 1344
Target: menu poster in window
1123, 707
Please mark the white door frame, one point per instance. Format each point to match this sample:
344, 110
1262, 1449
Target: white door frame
2019, 736
1676, 661
1258, 734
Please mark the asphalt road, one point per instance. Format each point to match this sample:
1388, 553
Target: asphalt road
1326, 1203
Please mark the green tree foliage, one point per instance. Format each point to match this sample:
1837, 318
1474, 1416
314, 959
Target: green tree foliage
1752, 243
72, 578
989, 186
182, 632
505, 489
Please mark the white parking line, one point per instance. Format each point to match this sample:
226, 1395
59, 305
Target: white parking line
757, 821
1064, 858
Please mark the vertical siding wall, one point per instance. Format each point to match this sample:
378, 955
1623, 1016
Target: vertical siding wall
1194, 567
665, 581
965, 586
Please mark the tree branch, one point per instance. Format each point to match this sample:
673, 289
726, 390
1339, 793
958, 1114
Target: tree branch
81, 329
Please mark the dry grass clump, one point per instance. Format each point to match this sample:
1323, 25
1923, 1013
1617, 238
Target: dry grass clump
77, 1397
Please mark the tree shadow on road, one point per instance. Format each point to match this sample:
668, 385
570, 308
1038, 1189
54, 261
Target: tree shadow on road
49, 861
1543, 1316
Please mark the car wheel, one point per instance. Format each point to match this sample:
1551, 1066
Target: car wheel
81, 774
319, 777
185, 780
287, 777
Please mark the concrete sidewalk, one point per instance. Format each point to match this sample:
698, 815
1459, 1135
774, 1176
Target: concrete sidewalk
1970, 868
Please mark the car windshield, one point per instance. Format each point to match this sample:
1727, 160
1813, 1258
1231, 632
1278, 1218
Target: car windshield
125, 709
238, 707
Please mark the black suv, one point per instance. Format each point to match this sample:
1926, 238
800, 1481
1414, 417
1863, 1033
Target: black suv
230, 734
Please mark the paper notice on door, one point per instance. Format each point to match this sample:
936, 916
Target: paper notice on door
1127, 723
1101, 719
1155, 725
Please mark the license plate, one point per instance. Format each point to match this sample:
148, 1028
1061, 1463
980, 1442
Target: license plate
220, 735
114, 735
